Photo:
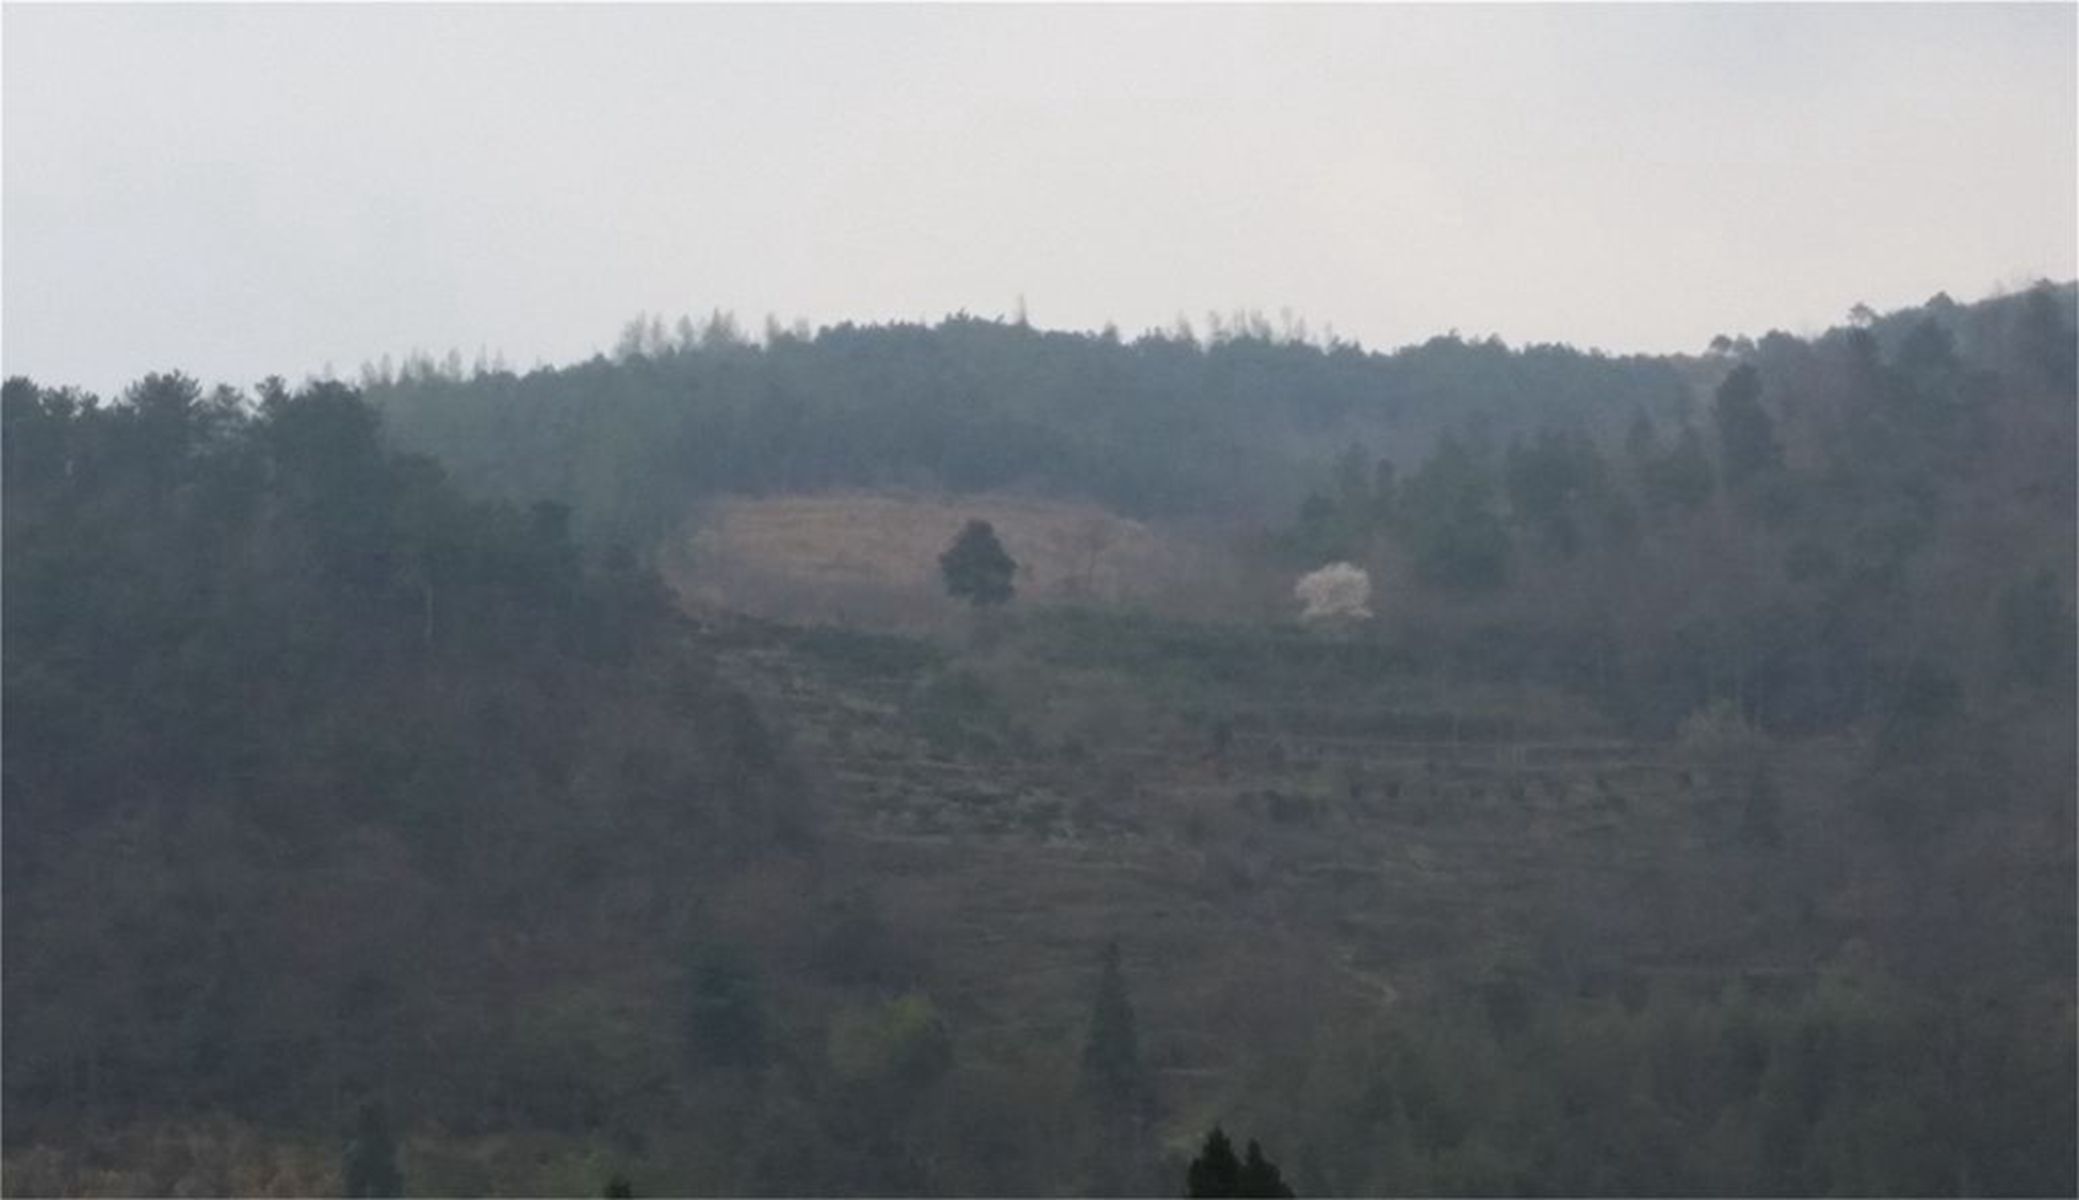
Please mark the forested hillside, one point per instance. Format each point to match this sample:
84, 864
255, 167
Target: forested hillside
1693, 817
1167, 424
325, 785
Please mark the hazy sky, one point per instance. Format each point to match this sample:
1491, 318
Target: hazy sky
250, 190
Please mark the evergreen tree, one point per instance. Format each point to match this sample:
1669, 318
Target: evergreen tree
1642, 440
1682, 477
2049, 344
1111, 1057
370, 1165
976, 568
1114, 1081
1385, 490
1548, 480
1261, 1177
1216, 1171
1322, 535
1746, 436
1450, 513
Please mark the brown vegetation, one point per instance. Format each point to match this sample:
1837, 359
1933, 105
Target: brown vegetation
871, 559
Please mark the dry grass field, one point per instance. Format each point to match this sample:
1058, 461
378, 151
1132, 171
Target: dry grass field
871, 559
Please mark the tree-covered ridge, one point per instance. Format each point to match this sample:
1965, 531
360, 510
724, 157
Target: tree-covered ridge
1169, 423
1840, 522
292, 728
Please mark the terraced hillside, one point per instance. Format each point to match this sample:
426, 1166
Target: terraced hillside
1264, 815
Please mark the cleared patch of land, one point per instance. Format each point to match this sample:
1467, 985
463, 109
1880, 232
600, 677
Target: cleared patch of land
871, 559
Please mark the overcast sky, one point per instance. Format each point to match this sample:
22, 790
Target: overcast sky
242, 191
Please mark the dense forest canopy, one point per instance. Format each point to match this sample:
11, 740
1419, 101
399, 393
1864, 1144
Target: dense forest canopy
1695, 816
1170, 423
293, 729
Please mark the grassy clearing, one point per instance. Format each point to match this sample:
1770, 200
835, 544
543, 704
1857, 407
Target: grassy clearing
871, 559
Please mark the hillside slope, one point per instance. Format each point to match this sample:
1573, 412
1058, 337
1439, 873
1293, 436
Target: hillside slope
1295, 856
1693, 818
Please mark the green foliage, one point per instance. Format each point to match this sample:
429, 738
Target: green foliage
1455, 528
1681, 478
1553, 484
325, 779
1216, 1171
1323, 532
1747, 442
1840, 1086
1115, 1084
1890, 488
1112, 1071
1260, 1176
2048, 340
1163, 424
1343, 523
298, 736
976, 568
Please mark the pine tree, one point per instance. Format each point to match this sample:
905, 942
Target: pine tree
1681, 478
976, 567
1111, 1057
1746, 436
1261, 1177
1114, 1082
1216, 1171
1453, 526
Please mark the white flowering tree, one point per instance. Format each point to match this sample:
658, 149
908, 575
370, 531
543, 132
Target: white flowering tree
1337, 590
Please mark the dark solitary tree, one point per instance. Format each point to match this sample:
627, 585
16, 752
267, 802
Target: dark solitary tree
1261, 1177
1114, 1083
976, 567
370, 1166
1111, 1058
1216, 1171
